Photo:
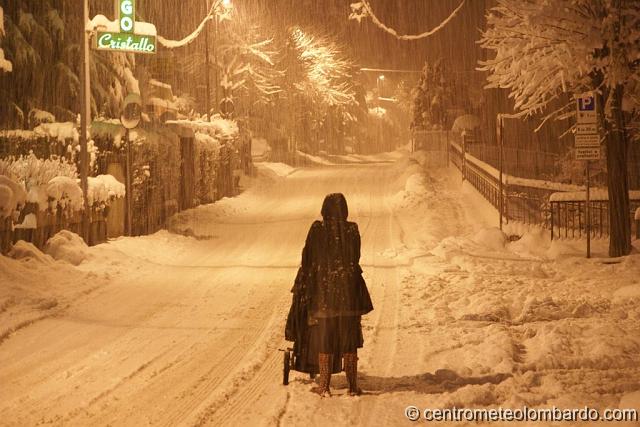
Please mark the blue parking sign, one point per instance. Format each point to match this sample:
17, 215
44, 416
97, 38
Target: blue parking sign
586, 108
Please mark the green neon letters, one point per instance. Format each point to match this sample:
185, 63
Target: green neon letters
126, 42
127, 15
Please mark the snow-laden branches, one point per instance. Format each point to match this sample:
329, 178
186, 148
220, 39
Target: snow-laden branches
363, 9
250, 65
327, 73
546, 49
4, 64
217, 11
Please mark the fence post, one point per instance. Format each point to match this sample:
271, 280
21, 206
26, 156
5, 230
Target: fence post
464, 155
499, 132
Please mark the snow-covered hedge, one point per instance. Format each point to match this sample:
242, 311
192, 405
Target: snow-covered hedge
217, 128
51, 184
48, 140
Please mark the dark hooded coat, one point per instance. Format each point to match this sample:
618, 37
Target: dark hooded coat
329, 283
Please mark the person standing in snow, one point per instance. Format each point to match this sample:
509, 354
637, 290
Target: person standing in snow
330, 296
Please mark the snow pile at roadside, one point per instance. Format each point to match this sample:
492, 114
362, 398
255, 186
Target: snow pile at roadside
33, 285
278, 169
413, 184
67, 246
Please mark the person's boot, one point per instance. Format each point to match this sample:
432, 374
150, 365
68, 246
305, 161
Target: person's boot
351, 370
324, 378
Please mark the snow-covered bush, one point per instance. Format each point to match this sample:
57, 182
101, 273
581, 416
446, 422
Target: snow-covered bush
38, 117
103, 189
207, 155
47, 182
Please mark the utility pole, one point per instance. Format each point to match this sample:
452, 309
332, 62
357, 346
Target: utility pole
500, 132
85, 118
215, 59
208, 62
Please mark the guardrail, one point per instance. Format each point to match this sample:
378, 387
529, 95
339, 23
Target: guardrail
531, 202
568, 216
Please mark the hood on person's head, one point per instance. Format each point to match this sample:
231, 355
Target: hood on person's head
335, 207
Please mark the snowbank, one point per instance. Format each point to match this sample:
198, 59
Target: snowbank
67, 246
22, 250
279, 169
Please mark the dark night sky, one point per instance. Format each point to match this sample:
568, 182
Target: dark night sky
369, 45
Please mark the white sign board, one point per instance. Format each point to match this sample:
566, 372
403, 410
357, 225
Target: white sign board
588, 153
587, 140
586, 109
588, 129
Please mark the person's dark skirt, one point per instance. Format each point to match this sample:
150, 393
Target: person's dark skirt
335, 335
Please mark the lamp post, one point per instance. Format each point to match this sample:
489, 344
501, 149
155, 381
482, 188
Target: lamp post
206, 71
380, 86
226, 4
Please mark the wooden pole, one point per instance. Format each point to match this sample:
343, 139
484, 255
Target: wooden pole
208, 66
85, 118
588, 209
129, 184
500, 162
215, 60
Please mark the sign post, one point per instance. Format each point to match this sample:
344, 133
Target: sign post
85, 118
127, 39
587, 145
131, 36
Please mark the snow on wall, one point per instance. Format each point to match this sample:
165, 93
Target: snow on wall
59, 131
597, 195
217, 127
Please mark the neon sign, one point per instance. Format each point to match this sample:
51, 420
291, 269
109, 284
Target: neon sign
127, 39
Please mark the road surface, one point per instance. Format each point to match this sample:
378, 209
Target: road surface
187, 327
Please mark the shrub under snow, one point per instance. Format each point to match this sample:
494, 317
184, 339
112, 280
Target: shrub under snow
67, 246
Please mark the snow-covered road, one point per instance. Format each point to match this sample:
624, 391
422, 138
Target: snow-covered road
183, 327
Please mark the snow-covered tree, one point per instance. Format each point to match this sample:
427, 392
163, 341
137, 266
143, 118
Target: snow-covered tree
5, 66
326, 72
40, 37
430, 99
549, 50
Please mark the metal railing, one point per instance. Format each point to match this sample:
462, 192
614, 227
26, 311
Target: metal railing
532, 205
568, 218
